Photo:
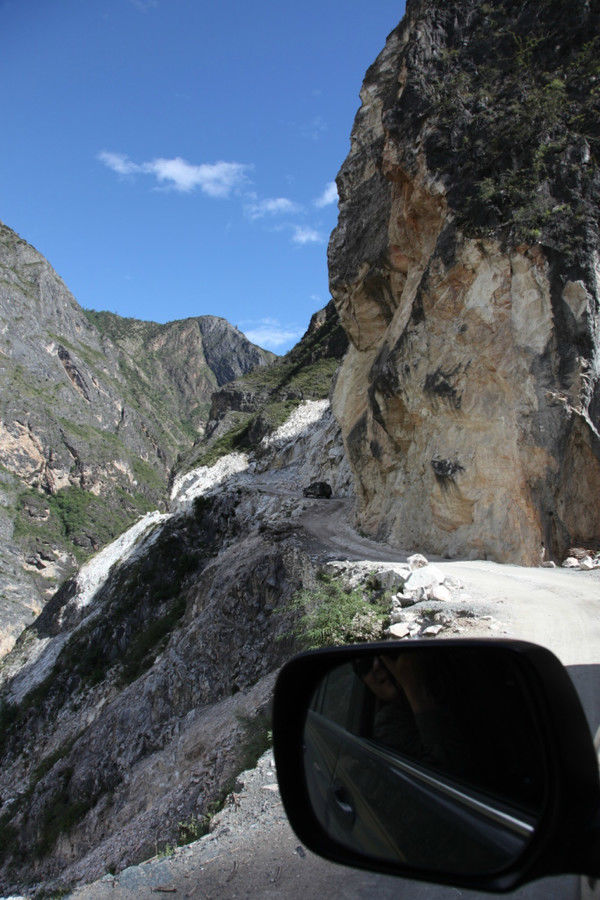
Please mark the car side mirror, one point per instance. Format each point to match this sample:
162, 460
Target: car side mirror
465, 762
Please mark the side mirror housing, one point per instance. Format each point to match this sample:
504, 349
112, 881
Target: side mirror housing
463, 762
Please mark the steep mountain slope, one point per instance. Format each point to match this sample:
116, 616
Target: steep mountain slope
245, 410
144, 661
464, 268
93, 411
157, 655
176, 367
120, 705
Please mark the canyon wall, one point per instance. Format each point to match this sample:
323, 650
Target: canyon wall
465, 271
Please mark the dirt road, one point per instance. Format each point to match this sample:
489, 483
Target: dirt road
559, 608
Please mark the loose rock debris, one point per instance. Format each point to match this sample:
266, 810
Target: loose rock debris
424, 602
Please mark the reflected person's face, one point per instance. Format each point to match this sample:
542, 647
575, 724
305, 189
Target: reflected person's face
378, 680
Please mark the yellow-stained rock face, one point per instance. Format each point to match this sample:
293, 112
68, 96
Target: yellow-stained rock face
465, 398
439, 415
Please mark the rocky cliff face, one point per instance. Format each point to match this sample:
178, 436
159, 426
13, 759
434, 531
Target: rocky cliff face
120, 706
129, 702
465, 272
181, 363
94, 409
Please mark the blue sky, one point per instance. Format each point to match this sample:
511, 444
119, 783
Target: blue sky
174, 158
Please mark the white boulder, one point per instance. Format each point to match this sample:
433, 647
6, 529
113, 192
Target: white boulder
432, 630
417, 561
398, 630
425, 577
440, 592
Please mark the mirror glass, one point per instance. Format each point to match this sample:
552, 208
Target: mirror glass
429, 757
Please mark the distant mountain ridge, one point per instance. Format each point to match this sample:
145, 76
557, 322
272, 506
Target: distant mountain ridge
245, 410
94, 409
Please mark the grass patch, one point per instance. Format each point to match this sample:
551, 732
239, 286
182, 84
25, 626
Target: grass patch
119, 328
227, 443
20, 382
8, 835
256, 740
147, 644
48, 763
93, 435
144, 601
9, 714
60, 816
95, 359
78, 520
286, 385
333, 614
147, 475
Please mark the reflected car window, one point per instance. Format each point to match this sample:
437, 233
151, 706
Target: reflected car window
431, 759
335, 701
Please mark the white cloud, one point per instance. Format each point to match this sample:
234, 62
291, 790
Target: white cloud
118, 162
273, 206
314, 129
329, 195
303, 235
220, 179
271, 334
214, 179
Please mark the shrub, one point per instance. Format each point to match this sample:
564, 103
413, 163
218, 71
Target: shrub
148, 643
515, 106
333, 614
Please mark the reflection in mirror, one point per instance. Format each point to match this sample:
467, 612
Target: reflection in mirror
427, 756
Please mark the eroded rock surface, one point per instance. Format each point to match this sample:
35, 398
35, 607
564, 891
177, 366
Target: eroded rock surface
127, 703
94, 410
469, 398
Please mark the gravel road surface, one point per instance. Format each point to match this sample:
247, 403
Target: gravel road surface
253, 853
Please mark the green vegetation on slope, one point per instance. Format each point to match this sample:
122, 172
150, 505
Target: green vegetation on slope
142, 385
119, 328
285, 391
145, 598
333, 614
73, 518
517, 108
305, 373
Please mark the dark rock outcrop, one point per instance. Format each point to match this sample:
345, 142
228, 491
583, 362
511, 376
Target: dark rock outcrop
318, 490
117, 715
